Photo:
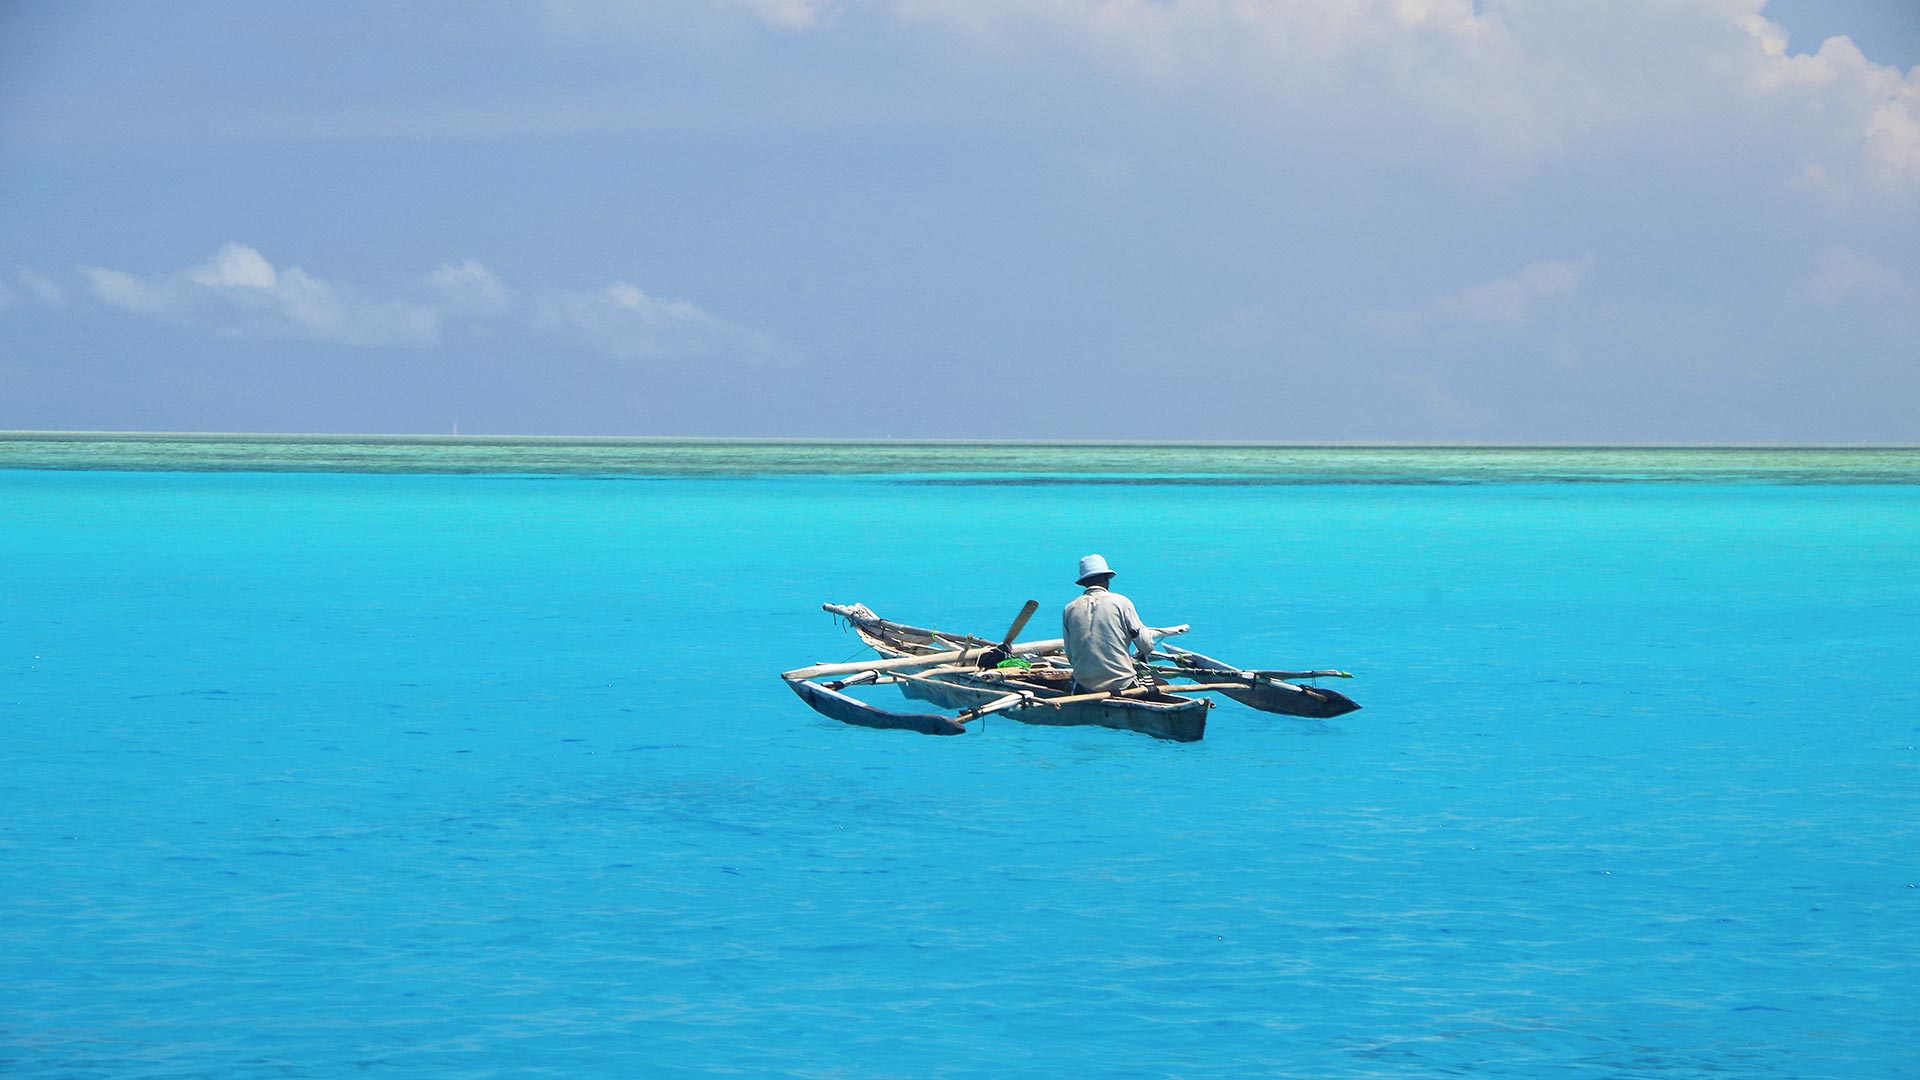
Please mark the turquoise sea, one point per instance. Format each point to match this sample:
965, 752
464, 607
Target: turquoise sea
468, 758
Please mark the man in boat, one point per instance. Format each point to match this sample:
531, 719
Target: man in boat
1100, 625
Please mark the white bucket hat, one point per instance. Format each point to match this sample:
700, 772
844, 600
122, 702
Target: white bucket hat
1092, 566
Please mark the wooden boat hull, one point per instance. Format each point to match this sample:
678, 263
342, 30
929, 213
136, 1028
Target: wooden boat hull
1167, 717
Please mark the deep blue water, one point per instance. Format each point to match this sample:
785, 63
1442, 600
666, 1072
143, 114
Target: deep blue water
320, 775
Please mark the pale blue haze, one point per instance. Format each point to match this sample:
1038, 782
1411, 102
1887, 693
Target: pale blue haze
423, 775
1319, 220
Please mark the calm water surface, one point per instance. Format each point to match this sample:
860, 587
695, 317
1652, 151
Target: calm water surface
410, 770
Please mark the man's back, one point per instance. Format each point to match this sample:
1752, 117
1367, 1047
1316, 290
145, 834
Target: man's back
1099, 626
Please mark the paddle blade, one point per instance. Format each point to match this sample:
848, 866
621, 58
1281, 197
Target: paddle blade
1020, 622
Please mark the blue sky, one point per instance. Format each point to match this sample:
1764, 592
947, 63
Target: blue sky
1320, 220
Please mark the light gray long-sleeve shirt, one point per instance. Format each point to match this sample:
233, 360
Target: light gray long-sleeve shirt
1098, 626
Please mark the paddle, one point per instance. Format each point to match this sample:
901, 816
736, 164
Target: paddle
993, 656
1020, 623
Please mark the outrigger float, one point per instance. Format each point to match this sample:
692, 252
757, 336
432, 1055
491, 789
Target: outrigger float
1032, 682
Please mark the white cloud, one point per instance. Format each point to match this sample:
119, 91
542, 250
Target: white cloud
652, 16
1860, 113
625, 321
1843, 275
620, 319
1495, 89
1508, 301
39, 289
470, 286
794, 14
240, 295
43, 289
1389, 76
652, 311
236, 266
1893, 139
123, 290
1500, 87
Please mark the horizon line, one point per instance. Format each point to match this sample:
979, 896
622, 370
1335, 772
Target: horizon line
1417, 444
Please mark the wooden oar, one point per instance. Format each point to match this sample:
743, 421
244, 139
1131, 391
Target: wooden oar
1020, 623
996, 654
1263, 673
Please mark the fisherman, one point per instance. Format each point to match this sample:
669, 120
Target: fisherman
1099, 626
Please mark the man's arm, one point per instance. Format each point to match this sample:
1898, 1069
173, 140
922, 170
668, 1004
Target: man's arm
1142, 638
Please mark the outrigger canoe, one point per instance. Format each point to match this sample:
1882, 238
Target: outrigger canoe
1032, 682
